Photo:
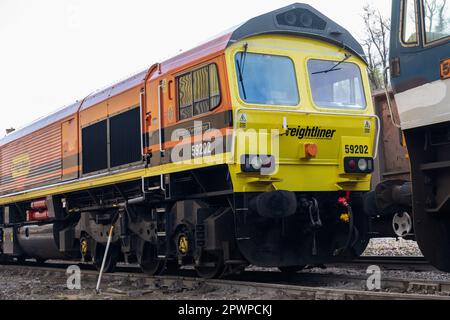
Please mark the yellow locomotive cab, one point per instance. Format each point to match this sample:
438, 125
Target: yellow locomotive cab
343, 134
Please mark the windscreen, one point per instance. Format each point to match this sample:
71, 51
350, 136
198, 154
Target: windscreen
336, 84
267, 79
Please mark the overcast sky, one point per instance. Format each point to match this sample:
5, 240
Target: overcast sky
53, 52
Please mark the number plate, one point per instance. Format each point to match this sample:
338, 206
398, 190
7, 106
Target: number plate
356, 149
445, 69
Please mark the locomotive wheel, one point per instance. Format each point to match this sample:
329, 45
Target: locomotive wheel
214, 266
111, 258
291, 270
150, 264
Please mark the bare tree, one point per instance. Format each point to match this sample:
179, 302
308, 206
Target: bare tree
430, 13
373, 66
435, 15
442, 23
376, 44
437, 24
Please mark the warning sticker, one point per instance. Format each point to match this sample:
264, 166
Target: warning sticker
367, 126
243, 120
243, 117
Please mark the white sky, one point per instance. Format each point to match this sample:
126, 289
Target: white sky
53, 52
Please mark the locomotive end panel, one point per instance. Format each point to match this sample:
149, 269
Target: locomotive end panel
315, 124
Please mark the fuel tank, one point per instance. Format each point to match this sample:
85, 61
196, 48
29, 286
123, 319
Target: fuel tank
39, 242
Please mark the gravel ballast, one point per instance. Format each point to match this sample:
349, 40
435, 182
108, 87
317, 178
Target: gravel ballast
393, 247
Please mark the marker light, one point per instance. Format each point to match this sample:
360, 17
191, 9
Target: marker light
352, 164
263, 164
358, 165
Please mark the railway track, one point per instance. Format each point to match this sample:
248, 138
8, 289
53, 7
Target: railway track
305, 285
418, 264
386, 260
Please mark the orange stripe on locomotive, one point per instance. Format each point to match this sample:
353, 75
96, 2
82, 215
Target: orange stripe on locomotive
50, 150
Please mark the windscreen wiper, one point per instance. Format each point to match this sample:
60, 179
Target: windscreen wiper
240, 67
335, 67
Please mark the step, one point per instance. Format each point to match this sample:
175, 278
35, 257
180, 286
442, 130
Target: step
154, 188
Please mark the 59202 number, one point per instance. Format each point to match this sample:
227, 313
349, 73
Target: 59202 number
202, 149
356, 149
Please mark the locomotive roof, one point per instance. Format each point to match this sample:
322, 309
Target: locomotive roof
296, 19
299, 19
306, 21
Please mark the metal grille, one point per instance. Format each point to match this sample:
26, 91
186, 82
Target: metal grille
125, 138
95, 147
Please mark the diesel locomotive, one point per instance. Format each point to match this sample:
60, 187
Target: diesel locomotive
420, 76
255, 147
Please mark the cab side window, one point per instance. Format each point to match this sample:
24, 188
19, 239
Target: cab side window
198, 92
409, 24
185, 96
437, 19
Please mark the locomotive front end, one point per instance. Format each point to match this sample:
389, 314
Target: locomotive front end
304, 147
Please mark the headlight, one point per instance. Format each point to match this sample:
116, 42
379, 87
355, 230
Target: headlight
301, 18
256, 163
262, 164
291, 18
362, 164
358, 165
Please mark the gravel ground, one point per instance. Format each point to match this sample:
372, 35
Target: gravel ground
28, 285
387, 274
392, 247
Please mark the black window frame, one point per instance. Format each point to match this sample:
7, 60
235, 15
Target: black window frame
403, 19
191, 72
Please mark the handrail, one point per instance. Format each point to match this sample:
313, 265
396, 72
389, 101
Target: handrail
141, 119
161, 150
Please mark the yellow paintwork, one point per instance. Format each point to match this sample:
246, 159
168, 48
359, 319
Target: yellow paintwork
325, 172
295, 173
